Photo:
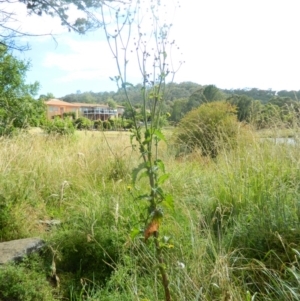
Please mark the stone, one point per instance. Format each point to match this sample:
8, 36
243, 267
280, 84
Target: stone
15, 250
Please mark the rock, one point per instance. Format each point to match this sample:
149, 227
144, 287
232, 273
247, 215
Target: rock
15, 250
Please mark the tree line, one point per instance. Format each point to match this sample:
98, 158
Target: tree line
254, 105
21, 108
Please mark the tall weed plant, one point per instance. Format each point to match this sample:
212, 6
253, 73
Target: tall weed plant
126, 32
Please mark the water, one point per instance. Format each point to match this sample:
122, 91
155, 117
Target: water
291, 141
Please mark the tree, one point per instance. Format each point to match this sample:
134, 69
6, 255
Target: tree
111, 103
178, 109
244, 106
282, 101
18, 109
195, 100
257, 94
269, 116
295, 95
54, 8
48, 96
212, 93
205, 94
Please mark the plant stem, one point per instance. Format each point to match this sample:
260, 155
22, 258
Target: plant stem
165, 279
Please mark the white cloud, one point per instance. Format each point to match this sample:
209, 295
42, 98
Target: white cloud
81, 60
86, 60
31, 24
34, 24
240, 43
81, 75
232, 44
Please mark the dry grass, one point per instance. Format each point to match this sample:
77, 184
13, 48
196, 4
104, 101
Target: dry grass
82, 181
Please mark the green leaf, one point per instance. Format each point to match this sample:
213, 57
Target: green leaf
143, 174
137, 170
147, 137
159, 135
162, 179
135, 232
168, 201
160, 164
159, 192
131, 137
248, 296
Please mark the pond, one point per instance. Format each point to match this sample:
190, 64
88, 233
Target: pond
292, 141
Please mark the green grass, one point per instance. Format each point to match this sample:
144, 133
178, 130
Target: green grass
235, 224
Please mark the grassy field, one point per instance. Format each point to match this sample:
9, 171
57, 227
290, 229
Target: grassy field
234, 233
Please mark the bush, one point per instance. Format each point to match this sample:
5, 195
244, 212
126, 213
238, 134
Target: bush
59, 126
98, 124
26, 282
88, 256
127, 123
116, 124
112, 122
10, 225
70, 114
118, 169
210, 127
83, 123
106, 125
7, 129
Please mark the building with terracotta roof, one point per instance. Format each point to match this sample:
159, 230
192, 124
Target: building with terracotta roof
57, 108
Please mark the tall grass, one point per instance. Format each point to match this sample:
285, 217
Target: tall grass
234, 235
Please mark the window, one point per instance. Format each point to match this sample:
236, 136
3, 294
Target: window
53, 109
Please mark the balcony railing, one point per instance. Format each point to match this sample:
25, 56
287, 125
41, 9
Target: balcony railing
100, 111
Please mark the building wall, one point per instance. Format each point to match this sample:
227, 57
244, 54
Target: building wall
57, 108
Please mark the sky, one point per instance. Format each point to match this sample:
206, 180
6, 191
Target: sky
231, 44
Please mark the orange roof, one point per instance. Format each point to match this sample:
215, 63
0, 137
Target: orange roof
57, 102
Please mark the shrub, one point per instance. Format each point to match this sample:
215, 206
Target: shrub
59, 126
115, 123
111, 121
70, 114
118, 169
26, 282
83, 123
211, 127
88, 256
98, 124
127, 123
7, 129
106, 125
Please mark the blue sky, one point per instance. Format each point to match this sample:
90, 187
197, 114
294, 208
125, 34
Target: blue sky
232, 44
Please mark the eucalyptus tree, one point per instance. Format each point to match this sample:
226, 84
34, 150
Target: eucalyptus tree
10, 34
18, 109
